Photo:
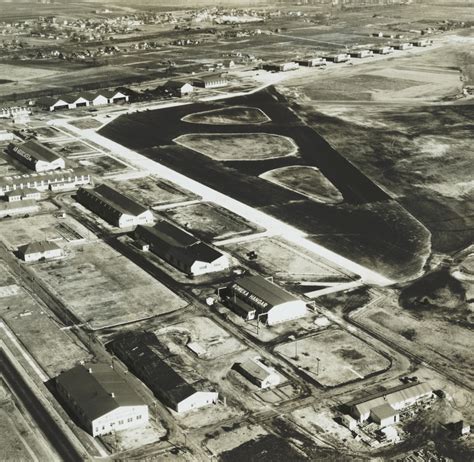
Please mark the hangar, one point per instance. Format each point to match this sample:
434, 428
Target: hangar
114, 207
100, 399
397, 397
178, 88
139, 351
258, 373
254, 297
181, 249
36, 156
211, 81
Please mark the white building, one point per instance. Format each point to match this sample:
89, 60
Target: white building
5, 135
258, 373
99, 100
254, 297
114, 207
100, 399
178, 88
23, 194
36, 156
397, 397
115, 97
41, 250
211, 81
403, 46
362, 53
384, 415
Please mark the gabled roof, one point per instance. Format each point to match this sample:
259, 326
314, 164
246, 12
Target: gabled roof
393, 396
176, 84
167, 233
384, 411
111, 93
37, 247
254, 368
203, 252
99, 391
37, 151
268, 292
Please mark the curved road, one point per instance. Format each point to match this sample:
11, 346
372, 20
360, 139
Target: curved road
45, 422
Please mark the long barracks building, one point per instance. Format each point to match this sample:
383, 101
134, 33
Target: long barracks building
36, 156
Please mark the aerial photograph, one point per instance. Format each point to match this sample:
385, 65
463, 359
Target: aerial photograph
236, 230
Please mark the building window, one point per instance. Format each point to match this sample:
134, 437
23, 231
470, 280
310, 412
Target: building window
139, 417
120, 422
130, 419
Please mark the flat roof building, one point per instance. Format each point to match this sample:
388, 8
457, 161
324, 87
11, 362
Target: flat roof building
254, 297
36, 156
23, 194
311, 62
100, 399
114, 207
181, 249
40, 250
281, 67
361, 53
338, 57
258, 373
397, 397
139, 351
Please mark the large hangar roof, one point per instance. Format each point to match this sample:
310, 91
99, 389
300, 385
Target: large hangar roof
37, 151
98, 389
165, 232
266, 291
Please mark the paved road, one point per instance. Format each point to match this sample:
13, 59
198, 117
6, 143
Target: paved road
40, 415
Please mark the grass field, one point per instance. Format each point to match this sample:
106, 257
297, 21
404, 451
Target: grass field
103, 165
308, 181
153, 191
210, 222
85, 123
342, 356
283, 261
239, 146
237, 115
215, 341
104, 288
42, 227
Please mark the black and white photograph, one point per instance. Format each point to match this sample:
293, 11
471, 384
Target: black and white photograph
236, 230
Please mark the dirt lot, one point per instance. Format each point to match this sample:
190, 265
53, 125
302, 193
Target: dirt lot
437, 334
43, 227
104, 288
237, 115
153, 191
74, 149
215, 341
85, 123
210, 222
343, 357
239, 146
278, 258
305, 180
103, 165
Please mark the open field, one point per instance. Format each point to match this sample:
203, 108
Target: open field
152, 191
14, 446
104, 288
210, 222
239, 146
103, 165
237, 115
85, 123
215, 341
305, 180
440, 334
343, 357
22, 72
283, 261
43, 227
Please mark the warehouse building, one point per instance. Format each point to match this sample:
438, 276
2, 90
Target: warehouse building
139, 351
403, 46
21, 208
397, 398
311, 62
258, 373
211, 81
23, 194
178, 88
384, 415
382, 50
181, 249
281, 67
361, 53
254, 297
41, 250
114, 207
54, 181
100, 399
53, 104
115, 97
36, 156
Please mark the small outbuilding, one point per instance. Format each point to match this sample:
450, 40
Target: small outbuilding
258, 373
384, 415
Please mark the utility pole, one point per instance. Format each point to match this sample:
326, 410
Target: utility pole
317, 366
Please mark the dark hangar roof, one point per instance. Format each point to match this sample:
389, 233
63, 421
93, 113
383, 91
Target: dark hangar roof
97, 392
37, 151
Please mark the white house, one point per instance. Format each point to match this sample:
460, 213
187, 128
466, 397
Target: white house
100, 399
39, 250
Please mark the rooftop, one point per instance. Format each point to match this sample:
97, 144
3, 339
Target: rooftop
37, 151
98, 389
37, 247
384, 411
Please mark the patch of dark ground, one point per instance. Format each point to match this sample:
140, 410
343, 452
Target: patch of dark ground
428, 186
368, 227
